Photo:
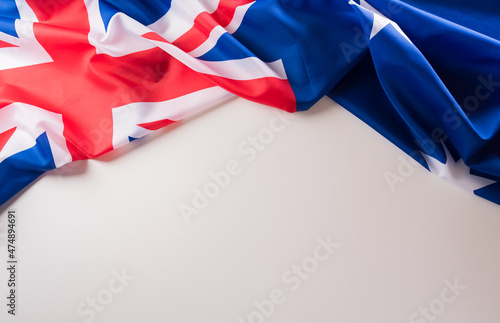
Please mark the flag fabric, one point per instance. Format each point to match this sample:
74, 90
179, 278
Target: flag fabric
428, 78
80, 78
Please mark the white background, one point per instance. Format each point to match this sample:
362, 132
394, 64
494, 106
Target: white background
323, 175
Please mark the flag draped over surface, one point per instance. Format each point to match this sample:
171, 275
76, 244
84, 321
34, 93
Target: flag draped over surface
79, 78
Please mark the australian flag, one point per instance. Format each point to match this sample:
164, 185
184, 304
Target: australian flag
80, 78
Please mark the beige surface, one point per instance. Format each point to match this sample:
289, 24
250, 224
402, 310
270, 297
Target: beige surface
321, 177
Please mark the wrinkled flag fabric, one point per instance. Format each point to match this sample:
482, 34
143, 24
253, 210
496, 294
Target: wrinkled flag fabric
80, 78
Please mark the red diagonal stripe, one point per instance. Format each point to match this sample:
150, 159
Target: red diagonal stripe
5, 136
154, 36
268, 90
205, 23
5, 44
156, 124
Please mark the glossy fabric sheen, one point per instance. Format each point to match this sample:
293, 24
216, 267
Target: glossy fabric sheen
423, 73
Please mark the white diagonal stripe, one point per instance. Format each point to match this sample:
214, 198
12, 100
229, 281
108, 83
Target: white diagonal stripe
127, 118
31, 122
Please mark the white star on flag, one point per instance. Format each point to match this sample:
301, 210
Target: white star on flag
379, 20
456, 172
